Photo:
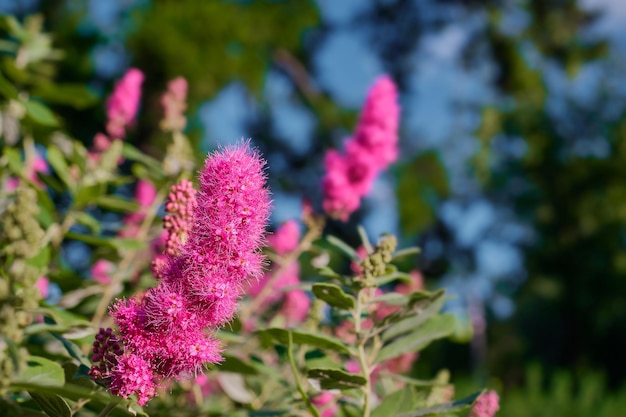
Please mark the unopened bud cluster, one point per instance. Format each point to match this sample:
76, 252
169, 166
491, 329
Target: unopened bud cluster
22, 237
375, 264
181, 203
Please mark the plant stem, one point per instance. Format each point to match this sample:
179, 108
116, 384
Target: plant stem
296, 377
105, 412
365, 370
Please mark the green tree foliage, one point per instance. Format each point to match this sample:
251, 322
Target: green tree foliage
571, 308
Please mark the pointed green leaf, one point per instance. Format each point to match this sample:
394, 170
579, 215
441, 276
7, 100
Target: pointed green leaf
333, 295
436, 328
406, 252
74, 351
87, 220
52, 404
305, 338
343, 246
449, 407
41, 372
40, 113
114, 203
88, 195
395, 403
57, 160
336, 379
236, 365
412, 322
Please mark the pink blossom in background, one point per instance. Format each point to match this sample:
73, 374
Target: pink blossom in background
101, 271
486, 405
101, 142
168, 331
325, 401
374, 146
286, 237
123, 103
145, 193
295, 308
42, 285
416, 285
174, 105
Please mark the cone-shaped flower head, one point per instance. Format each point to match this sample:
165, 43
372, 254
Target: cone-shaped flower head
167, 332
373, 147
123, 104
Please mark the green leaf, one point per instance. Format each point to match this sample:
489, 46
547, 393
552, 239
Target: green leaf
57, 160
73, 350
42, 372
449, 407
134, 154
88, 195
52, 404
40, 113
397, 402
236, 365
413, 321
305, 338
87, 220
92, 240
114, 203
406, 252
364, 239
336, 379
436, 328
14, 158
333, 295
7, 89
75, 95
343, 246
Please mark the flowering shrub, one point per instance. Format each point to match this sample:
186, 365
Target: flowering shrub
203, 311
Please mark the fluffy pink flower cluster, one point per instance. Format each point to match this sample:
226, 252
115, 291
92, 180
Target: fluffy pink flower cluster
168, 331
295, 303
122, 105
486, 405
373, 147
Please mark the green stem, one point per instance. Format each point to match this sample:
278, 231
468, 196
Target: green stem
296, 376
365, 370
105, 412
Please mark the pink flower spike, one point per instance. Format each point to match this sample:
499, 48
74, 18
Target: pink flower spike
123, 104
174, 105
486, 405
373, 147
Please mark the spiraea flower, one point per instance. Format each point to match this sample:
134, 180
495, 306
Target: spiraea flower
174, 105
123, 104
168, 331
374, 145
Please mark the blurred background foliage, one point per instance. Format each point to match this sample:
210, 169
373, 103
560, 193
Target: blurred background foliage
514, 186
